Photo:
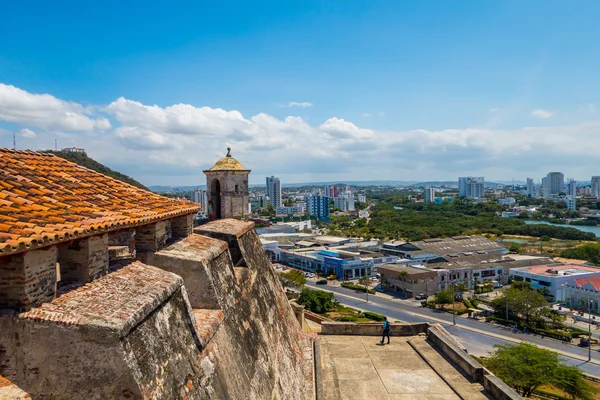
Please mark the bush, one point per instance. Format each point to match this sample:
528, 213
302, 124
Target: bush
347, 318
354, 286
316, 301
373, 316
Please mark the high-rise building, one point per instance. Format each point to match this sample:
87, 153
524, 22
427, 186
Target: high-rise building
344, 201
471, 187
530, 188
362, 198
571, 188
201, 196
596, 186
429, 194
317, 205
274, 191
554, 182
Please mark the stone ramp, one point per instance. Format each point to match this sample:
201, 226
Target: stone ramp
462, 385
359, 368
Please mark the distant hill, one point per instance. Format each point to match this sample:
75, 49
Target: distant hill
85, 161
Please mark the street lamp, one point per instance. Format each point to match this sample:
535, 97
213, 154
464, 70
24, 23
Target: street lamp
590, 302
453, 300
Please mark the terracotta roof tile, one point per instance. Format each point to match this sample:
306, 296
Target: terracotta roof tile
45, 199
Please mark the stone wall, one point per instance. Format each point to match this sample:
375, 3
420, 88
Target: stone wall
28, 279
133, 333
84, 260
152, 237
371, 329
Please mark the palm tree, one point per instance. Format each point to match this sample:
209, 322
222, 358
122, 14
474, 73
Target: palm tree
402, 277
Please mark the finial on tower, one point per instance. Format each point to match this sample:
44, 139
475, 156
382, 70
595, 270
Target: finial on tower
228, 152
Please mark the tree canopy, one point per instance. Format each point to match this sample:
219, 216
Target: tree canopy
292, 278
588, 251
525, 367
523, 303
316, 301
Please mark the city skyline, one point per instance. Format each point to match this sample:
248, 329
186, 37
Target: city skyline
469, 89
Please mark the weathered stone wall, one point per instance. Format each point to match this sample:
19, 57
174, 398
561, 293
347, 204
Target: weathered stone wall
182, 226
84, 260
441, 340
152, 237
129, 334
28, 279
233, 204
371, 329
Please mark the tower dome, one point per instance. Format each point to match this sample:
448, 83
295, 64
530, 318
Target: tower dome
227, 163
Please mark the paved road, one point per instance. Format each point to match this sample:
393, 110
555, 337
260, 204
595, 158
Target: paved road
478, 342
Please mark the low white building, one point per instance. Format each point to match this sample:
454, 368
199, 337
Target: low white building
553, 277
570, 201
509, 201
583, 292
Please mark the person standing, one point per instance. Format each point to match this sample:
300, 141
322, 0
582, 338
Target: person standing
386, 330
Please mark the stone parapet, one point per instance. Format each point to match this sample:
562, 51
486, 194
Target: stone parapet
28, 279
189, 259
152, 237
228, 230
207, 324
371, 328
181, 227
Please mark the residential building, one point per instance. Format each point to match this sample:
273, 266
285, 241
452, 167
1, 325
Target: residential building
570, 201
429, 195
530, 188
344, 201
317, 205
596, 186
554, 182
552, 277
571, 188
288, 210
200, 196
362, 198
333, 191
274, 191
407, 280
471, 187
300, 206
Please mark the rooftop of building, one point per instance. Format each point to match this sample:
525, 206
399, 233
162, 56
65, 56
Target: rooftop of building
559, 270
227, 163
593, 281
45, 199
441, 246
402, 268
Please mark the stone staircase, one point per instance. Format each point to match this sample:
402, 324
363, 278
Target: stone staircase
465, 388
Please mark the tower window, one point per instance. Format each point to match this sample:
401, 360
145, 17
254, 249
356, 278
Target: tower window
237, 189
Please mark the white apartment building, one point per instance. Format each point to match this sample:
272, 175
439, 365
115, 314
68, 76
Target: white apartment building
530, 188
288, 210
509, 201
429, 195
200, 196
344, 201
571, 188
570, 201
274, 191
596, 186
362, 198
471, 187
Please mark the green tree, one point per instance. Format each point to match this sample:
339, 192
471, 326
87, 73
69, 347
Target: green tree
316, 301
443, 297
588, 251
524, 367
571, 381
523, 303
292, 278
523, 214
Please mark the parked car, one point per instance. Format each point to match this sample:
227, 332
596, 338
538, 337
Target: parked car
322, 282
311, 275
421, 296
379, 289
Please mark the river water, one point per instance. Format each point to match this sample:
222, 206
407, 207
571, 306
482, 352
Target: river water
593, 229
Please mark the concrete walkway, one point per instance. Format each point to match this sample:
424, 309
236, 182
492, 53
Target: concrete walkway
359, 368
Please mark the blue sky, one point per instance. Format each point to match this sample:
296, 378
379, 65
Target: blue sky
412, 90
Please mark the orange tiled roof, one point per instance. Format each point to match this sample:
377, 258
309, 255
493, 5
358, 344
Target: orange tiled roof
45, 200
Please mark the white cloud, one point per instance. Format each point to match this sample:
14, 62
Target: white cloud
493, 110
381, 113
27, 133
302, 104
46, 111
173, 144
591, 108
539, 113
365, 115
